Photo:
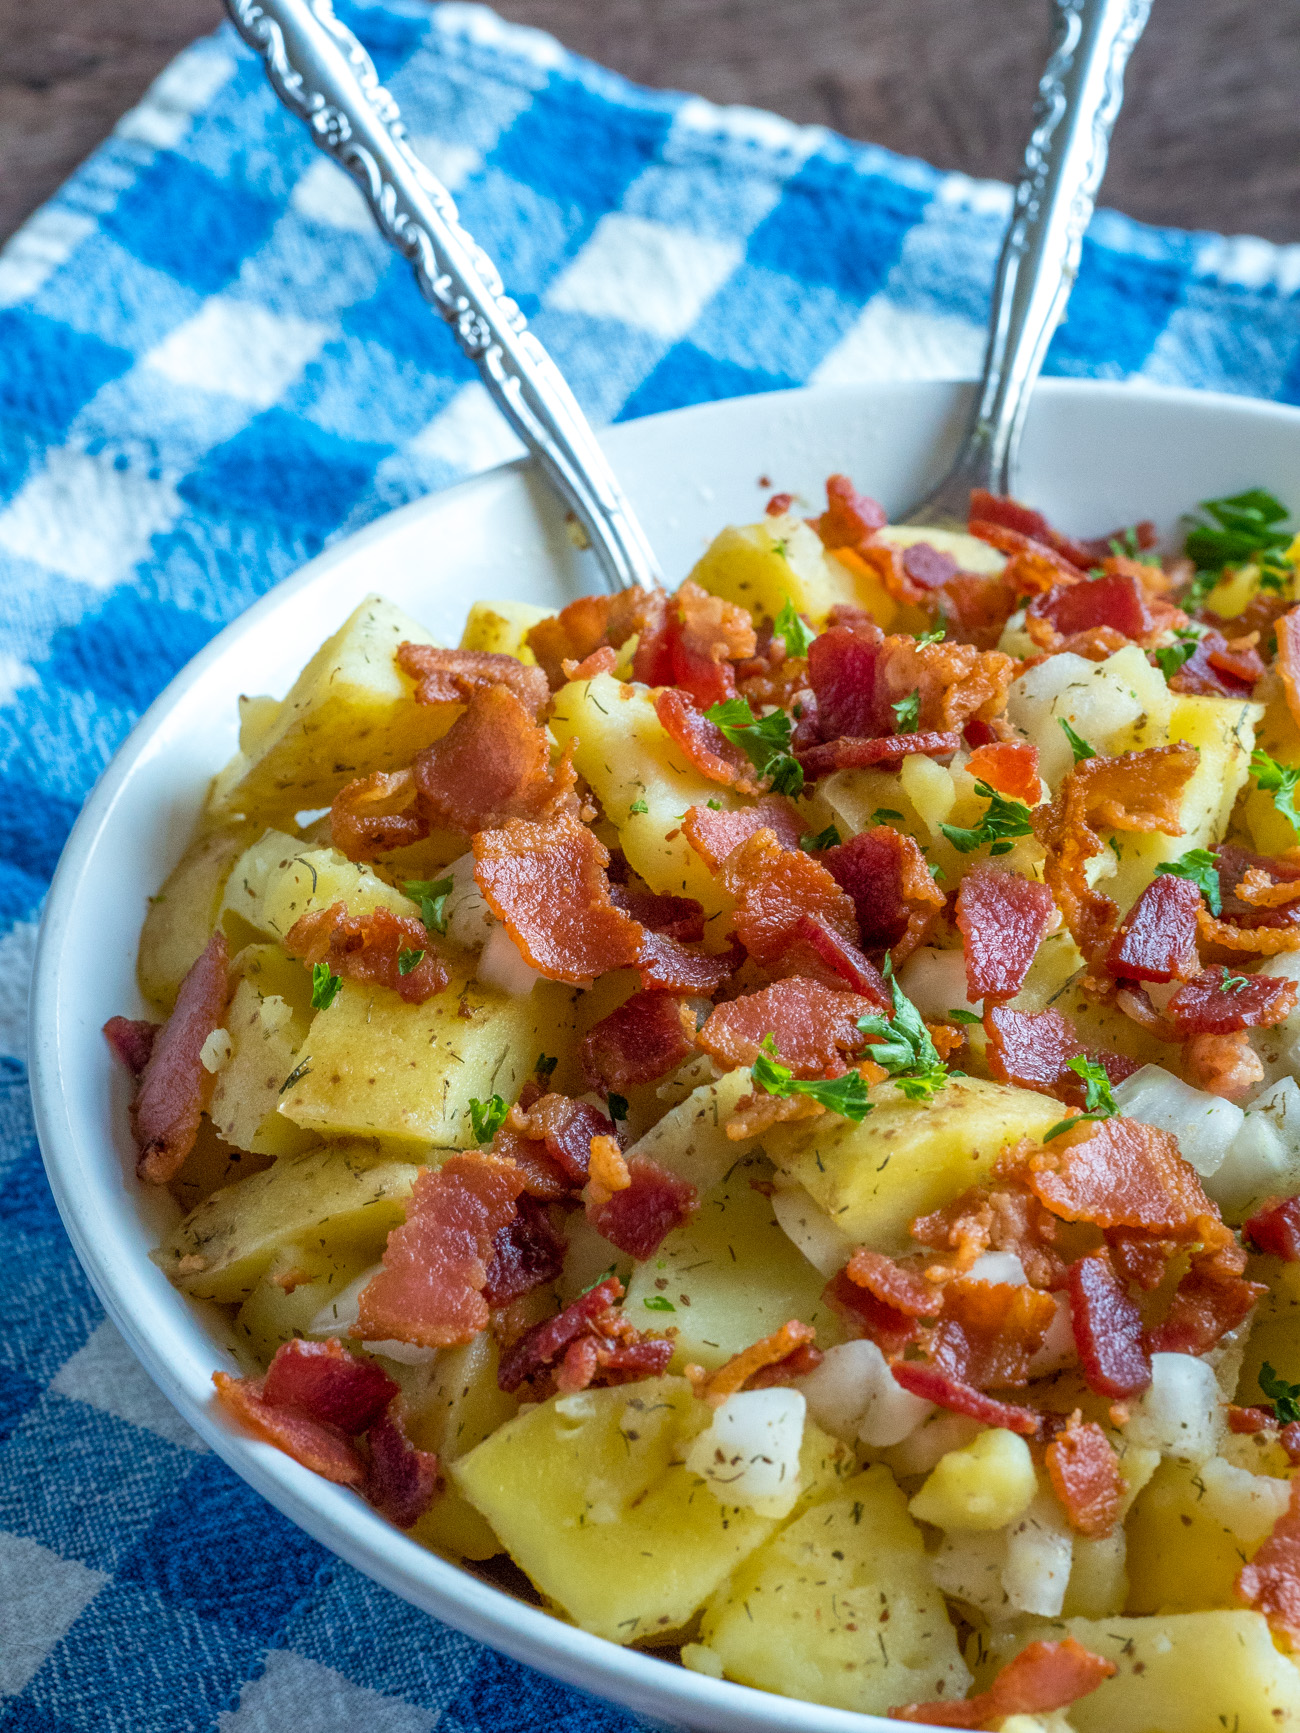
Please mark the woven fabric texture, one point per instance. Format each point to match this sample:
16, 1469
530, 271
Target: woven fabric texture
210, 367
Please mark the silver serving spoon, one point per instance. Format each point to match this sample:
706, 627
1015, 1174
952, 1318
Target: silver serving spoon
323, 74
1079, 97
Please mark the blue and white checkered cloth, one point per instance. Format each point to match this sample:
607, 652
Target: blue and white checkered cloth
210, 366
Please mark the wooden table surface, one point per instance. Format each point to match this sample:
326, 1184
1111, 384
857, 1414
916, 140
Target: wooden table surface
1209, 137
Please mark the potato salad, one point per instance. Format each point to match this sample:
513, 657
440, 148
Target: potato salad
765, 1116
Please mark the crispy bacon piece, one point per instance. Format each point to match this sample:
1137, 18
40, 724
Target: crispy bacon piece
1032, 1049
1003, 919
1270, 1583
588, 1342
1221, 668
893, 1284
850, 517
775, 888
895, 899
369, 948
806, 1358
886, 752
376, 813
329, 1385
668, 967
1248, 1421
322, 1448
768, 1351
932, 1384
754, 1114
713, 835
1005, 1219
1122, 1173
174, 1086
1157, 938
1097, 618
695, 644
1275, 1229
590, 624
714, 629
1224, 1065
455, 676
491, 765
526, 1254
131, 1039
989, 1331
866, 1314
811, 1025
703, 742
857, 971
400, 1480
1288, 658
430, 1289
1107, 1329
1085, 1476
546, 881
858, 679
653, 1203
671, 917
1010, 766
1217, 1002
1031, 558
1136, 791
566, 1128
1254, 889
601, 661
545, 1343
644, 1038
1000, 508
1042, 1677
1211, 1299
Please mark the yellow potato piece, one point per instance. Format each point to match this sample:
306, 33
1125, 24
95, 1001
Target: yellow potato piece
279, 879
839, 1608
349, 712
905, 1158
502, 628
450, 1409
265, 1036
984, 1485
181, 917
1192, 1529
762, 566
589, 1496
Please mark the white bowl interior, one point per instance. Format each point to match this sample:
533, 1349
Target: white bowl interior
1095, 456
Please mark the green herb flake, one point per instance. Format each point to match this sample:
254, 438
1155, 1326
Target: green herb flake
1098, 1100
789, 626
1078, 746
1003, 820
638, 806
1284, 1397
828, 838
431, 894
1279, 780
658, 1303
959, 1015
907, 711
845, 1095
903, 1045
1169, 658
602, 1277
486, 1117
1232, 983
885, 815
765, 742
1244, 528
545, 1066
936, 635
1200, 868
408, 960
325, 986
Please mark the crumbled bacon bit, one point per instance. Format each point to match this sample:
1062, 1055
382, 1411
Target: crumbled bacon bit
430, 1289
868, 1314
774, 888
1211, 1299
1217, 1002
327, 1384
1270, 1583
1123, 1173
845, 960
1001, 509
933, 1385
1224, 1065
526, 1254
895, 899
376, 813
638, 1217
857, 681
174, 1085
779, 504
607, 1172
1245, 1422
1085, 1476
1107, 1329
811, 1026
704, 744
323, 1449
1010, 766
1275, 1229
670, 917
401, 1481
989, 1331
455, 676
1157, 938
1222, 668
131, 1039
1288, 658
902, 1289
590, 624
1032, 1049
566, 1128
1003, 919
621, 1352
668, 967
601, 661
640, 1041
368, 948
713, 835
768, 1351
491, 765
1097, 618
1042, 1677
850, 517
886, 752
754, 1114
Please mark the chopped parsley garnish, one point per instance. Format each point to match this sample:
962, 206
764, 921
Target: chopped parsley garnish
959, 1015
765, 742
1201, 868
1078, 745
789, 626
408, 960
904, 1047
431, 894
886, 815
1232, 983
617, 1105
486, 1117
906, 712
1245, 527
602, 1277
1098, 1100
1169, 658
638, 806
1279, 780
845, 1095
937, 633
713, 806
1284, 1397
1126, 546
828, 838
1003, 820
325, 986
658, 1303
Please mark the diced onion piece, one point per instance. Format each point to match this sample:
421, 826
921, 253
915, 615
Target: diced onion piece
1040, 1550
215, 1052
935, 982
1100, 700
469, 919
854, 1396
749, 1455
811, 1229
969, 1566
933, 1439
1203, 1124
503, 965
1002, 1267
1246, 1504
1058, 1348
1181, 1413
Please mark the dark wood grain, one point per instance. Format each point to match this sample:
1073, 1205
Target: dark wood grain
1209, 138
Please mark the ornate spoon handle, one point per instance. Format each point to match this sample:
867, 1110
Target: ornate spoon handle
322, 74
1079, 98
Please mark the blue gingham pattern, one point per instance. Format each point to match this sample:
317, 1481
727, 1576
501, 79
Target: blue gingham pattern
210, 367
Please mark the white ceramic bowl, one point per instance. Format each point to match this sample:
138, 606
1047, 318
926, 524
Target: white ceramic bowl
1096, 456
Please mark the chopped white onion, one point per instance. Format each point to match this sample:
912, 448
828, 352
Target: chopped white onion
1246, 1504
1040, 1550
214, 1055
502, 964
1004, 1268
1260, 1161
1058, 1347
469, 920
1204, 1124
811, 1229
749, 1455
854, 1396
968, 1565
1100, 700
935, 1437
935, 982
1180, 1413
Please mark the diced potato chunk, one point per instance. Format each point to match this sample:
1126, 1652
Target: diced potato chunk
449, 1411
349, 712
1118, 705
970, 553
501, 628
984, 1485
310, 1212
839, 1608
265, 1036
279, 879
728, 1277
274, 1313
627, 756
181, 917
1177, 1673
905, 1158
1192, 1529
589, 1496
762, 566
691, 1138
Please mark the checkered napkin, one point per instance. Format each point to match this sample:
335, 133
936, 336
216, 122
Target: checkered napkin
210, 366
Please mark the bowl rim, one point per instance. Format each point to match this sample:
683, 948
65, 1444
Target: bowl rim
330, 1514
